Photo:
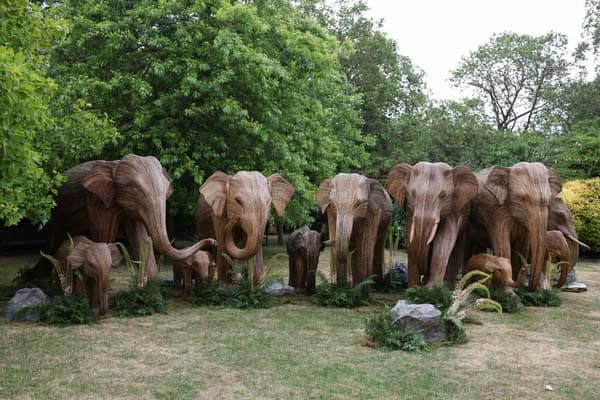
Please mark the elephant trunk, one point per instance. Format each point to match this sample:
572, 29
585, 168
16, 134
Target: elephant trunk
157, 229
537, 243
421, 233
253, 237
343, 232
103, 294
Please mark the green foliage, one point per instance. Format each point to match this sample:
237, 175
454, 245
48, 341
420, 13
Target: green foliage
381, 329
139, 302
510, 303
455, 330
63, 311
439, 295
519, 77
237, 296
238, 85
583, 199
39, 133
539, 298
342, 295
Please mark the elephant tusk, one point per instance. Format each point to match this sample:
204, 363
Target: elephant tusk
432, 235
412, 232
573, 238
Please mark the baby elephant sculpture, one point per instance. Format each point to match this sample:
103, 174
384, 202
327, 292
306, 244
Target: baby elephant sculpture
499, 267
199, 266
93, 260
303, 248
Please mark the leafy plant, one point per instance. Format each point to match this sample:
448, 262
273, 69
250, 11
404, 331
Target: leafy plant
439, 295
341, 295
63, 272
539, 298
510, 303
63, 311
139, 301
381, 329
394, 280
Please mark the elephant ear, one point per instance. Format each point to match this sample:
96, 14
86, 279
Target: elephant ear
77, 256
554, 181
378, 196
281, 193
497, 183
214, 191
397, 182
100, 181
168, 177
465, 186
115, 255
323, 194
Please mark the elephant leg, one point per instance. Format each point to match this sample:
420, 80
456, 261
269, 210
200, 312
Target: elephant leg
457, 259
142, 248
258, 265
301, 273
362, 258
224, 270
93, 292
292, 271
379, 253
443, 244
187, 283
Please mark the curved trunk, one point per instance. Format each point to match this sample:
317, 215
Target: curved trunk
253, 242
157, 230
537, 248
422, 232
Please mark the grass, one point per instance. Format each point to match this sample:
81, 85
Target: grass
297, 350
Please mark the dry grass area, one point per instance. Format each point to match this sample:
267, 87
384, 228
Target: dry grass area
297, 350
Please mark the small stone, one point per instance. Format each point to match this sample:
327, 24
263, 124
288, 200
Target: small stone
549, 388
422, 318
576, 287
23, 298
279, 289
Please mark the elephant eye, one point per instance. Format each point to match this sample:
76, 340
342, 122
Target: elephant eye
413, 193
443, 195
239, 201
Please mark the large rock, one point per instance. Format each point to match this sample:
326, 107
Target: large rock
422, 318
278, 289
23, 298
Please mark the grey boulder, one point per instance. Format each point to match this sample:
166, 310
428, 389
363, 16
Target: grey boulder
422, 318
279, 289
23, 298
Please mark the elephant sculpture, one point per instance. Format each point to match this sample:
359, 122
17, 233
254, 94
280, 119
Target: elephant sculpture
511, 211
235, 209
437, 199
99, 198
358, 213
499, 267
303, 248
561, 239
200, 266
94, 261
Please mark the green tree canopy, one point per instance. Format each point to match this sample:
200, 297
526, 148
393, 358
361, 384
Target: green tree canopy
518, 77
213, 85
39, 132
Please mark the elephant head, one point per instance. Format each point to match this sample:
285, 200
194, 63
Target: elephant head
202, 265
500, 269
526, 190
139, 187
431, 192
245, 200
348, 199
94, 260
561, 239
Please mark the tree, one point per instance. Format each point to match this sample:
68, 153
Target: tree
215, 85
39, 132
518, 77
389, 84
591, 25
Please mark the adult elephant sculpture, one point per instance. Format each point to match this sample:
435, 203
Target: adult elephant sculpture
358, 213
235, 209
101, 197
561, 238
437, 199
512, 210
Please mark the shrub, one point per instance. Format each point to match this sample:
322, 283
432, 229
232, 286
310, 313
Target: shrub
138, 302
439, 295
539, 298
381, 329
341, 295
63, 311
510, 303
394, 280
583, 199
237, 296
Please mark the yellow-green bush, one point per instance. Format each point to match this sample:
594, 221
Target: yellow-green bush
583, 198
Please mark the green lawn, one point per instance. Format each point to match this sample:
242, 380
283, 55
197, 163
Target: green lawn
296, 350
